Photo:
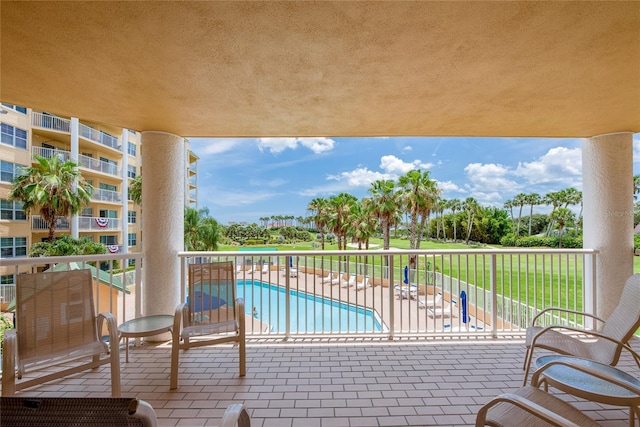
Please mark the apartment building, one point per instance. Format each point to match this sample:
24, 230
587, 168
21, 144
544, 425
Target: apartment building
109, 159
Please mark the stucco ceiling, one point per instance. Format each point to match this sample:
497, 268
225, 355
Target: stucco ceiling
329, 68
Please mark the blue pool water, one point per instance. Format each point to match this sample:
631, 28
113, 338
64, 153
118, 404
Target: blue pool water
309, 313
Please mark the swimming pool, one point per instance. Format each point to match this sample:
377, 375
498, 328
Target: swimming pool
309, 313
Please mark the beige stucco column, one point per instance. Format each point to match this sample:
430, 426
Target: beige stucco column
163, 178
607, 193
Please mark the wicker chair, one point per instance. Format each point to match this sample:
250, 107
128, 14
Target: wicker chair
57, 329
207, 316
609, 341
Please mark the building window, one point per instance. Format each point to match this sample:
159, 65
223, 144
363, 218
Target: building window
13, 136
8, 170
86, 212
12, 210
109, 187
108, 213
132, 239
131, 171
17, 108
13, 247
109, 240
132, 217
131, 149
7, 279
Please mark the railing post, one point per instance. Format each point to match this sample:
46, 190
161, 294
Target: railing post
391, 298
287, 297
589, 288
494, 296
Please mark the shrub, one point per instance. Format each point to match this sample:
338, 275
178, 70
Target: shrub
5, 324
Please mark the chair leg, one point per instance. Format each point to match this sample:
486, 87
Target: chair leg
527, 367
9, 363
175, 355
242, 354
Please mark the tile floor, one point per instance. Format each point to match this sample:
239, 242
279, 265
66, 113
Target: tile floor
328, 382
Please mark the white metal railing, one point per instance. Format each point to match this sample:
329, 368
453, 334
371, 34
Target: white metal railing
92, 223
106, 195
38, 223
48, 121
98, 136
503, 290
7, 293
99, 165
51, 152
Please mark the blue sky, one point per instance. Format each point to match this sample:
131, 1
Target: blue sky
242, 180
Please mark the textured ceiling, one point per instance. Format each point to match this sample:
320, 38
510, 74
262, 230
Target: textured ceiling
329, 68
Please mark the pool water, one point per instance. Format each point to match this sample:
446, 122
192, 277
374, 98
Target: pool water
309, 313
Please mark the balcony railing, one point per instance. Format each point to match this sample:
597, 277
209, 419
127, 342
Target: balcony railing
38, 223
51, 152
99, 165
484, 292
50, 122
98, 136
88, 223
106, 195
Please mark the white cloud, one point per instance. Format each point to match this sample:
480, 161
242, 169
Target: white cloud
559, 165
272, 183
361, 177
204, 147
490, 176
318, 144
396, 167
277, 145
407, 148
450, 186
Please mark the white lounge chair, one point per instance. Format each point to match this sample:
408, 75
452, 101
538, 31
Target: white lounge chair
363, 284
327, 278
447, 310
404, 291
337, 277
350, 282
431, 301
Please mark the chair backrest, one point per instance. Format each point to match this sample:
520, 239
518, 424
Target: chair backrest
623, 321
212, 293
55, 316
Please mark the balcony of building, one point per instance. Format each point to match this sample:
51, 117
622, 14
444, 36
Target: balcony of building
382, 360
86, 162
60, 128
109, 196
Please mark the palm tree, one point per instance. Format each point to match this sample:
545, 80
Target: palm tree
636, 186
385, 206
135, 190
509, 205
555, 199
520, 200
454, 205
53, 188
562, 217
339, 208
532, 199
320, 215
418, 191
200, 230
471, 206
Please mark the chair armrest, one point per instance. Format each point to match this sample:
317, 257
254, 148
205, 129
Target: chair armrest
240, 313
586, 369
626, 346
180, 319
564, 310
526, 405
112, 327
236, 414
